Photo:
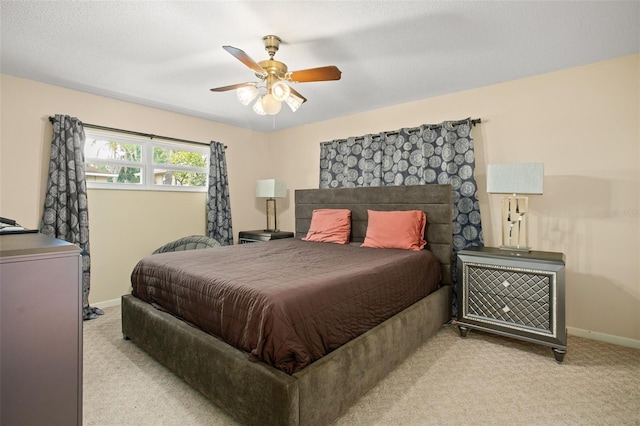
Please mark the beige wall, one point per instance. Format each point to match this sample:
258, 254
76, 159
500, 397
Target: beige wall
124, 225
582, 123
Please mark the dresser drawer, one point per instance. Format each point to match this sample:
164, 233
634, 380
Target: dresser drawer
508, 282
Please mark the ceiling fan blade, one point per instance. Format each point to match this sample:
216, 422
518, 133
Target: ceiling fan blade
295, 92
245, 59
315, 74
231, 87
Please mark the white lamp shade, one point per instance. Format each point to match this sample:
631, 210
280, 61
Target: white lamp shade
271, 188
515, 178
246, 94
294, 102
259, 108
280, 91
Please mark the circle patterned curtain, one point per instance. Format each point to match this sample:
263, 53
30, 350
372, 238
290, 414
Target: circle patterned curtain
441, 154
219, 224
66, 210
437, 153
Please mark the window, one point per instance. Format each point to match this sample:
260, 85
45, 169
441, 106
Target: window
123, 162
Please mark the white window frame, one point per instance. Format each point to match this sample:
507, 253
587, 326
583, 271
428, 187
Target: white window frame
146, 164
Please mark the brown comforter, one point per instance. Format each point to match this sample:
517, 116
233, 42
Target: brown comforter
286, 302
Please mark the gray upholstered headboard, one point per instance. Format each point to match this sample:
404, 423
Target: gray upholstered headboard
435, 200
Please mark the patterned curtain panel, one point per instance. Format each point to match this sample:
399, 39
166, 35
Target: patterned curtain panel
66, 214
218, 203
431, 153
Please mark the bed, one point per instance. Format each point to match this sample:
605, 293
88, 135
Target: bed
319, 391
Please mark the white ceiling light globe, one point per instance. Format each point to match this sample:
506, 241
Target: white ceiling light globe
270, 105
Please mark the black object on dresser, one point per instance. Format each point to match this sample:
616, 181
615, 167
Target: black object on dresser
515, 294
261, 235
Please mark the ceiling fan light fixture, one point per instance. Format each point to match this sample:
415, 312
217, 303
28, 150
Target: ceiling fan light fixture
280, 90
258, 108
246, 94
270, 104
294, 101
274, 76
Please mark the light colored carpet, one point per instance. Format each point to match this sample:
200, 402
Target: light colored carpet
481, 380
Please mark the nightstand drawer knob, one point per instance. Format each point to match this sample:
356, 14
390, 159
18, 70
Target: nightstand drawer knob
506, 283
506, 309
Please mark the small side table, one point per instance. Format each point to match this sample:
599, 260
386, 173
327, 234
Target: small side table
514, 294
261, 235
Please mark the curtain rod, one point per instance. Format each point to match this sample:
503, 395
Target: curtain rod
131, 132
411, 129
473, 123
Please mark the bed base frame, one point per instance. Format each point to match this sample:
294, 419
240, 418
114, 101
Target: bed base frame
258, 394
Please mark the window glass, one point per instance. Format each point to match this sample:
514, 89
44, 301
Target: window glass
179, 156
112, 174
112, 149
179, 178
114, 161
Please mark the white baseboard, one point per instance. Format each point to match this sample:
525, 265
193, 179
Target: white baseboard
106, 303
602, 337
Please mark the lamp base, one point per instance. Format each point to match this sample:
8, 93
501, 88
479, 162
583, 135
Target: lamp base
514, 223
272, 221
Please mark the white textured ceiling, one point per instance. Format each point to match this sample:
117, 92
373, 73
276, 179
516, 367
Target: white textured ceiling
168, 54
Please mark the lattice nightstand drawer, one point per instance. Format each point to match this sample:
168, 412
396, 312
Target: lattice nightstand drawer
518, 312
515, 294
531, 286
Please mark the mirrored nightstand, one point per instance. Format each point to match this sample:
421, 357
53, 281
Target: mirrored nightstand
515, 294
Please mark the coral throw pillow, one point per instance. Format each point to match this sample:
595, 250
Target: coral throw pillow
330, 226
396, 229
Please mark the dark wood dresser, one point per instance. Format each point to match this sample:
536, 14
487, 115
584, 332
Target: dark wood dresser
40, 331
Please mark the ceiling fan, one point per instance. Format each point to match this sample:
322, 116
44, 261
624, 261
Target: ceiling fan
274, 74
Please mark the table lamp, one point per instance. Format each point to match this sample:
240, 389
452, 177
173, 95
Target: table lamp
515, 179
271, 189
